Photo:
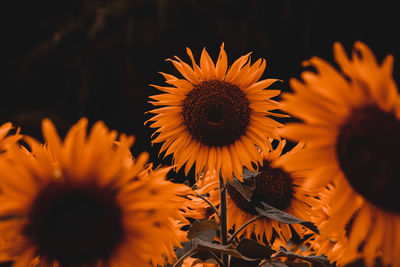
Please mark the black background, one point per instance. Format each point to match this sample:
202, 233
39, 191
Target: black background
86, 58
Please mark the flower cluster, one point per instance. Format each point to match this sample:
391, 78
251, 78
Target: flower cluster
85, 201
322, 189
335, 191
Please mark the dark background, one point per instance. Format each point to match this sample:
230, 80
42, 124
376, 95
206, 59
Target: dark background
68, 59
86, 58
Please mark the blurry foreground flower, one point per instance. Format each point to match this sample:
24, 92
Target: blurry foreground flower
215, 117
351, 128
82, 204
271, 185
6, 138
333, 247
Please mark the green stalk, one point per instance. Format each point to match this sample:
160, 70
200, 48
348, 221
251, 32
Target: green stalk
223, 218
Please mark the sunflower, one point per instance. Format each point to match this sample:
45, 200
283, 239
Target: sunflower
334, 247
351, 126
6, 138
271, 185
214, 116
82, 204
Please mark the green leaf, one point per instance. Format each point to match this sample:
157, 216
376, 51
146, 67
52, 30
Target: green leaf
201, 244
316, 261
179, 252
186, 247
248, 174
283, 217
202, 255
205, 230
246, 188
254, 250
207, 235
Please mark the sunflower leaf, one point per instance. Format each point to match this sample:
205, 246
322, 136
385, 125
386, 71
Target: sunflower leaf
246, 188
254, 250
316, 261
205, 230
202, 255
283, 217
201, 244
248, 174
186, 247
180, 252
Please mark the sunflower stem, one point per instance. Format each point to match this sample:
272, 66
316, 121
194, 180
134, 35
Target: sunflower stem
217, 259
187, 254
223, 218
215, 210
242, 227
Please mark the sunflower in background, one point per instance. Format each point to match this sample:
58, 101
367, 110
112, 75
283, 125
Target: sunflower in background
334, 246
272, 185
351, 125
83, 204
215, 116
6, 138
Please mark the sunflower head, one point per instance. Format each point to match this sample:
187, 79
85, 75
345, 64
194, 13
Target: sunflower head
6, 138
351, 127
215, 117
277, 188
332, 244
271, 185
81, 202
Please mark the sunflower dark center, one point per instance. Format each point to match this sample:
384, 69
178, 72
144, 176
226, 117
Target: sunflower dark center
242, 203
367, 149
272, 186
216, 113
75, 224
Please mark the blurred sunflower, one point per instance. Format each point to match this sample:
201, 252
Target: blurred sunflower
214, 116
82, 204
333, 245
272, 186
6, 138
351, 125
